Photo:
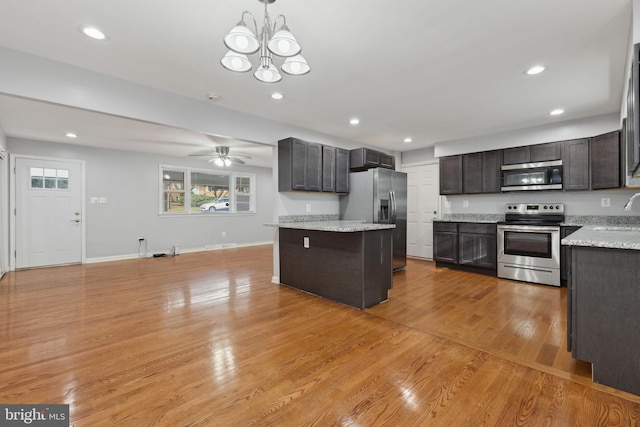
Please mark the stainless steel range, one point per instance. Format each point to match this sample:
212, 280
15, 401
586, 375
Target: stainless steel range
529, 243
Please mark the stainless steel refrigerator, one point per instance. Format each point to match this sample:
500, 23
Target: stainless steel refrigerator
380, 196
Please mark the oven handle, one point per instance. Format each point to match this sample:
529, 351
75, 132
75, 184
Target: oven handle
529, 228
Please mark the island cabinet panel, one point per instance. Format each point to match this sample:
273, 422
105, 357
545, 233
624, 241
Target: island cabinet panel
353, 268
604, 315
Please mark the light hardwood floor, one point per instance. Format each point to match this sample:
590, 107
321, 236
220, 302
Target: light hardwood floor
206, 339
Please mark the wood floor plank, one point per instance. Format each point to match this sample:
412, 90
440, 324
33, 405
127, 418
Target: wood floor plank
205, 339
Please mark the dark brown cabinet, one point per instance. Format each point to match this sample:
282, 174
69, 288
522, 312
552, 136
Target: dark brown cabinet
468, 245
299, 165
603, 317
342, 170
565, 253
471, 173
445, 242
477, 245
309, 166
606, 167
365, 158
451, 175
575, 163
491, 180
532, 153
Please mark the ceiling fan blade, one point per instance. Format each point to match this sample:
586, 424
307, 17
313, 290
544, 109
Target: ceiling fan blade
204, 153
236, 161
246, 156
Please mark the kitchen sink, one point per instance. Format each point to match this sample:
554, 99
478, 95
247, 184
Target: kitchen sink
616, 228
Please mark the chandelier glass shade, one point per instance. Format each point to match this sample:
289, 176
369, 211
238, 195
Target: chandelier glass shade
272, 40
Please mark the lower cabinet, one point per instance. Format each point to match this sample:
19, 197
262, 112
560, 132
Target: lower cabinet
466, 245
603, 316
477, 245
565, 253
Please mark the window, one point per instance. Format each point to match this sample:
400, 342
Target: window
50, 179
208, 192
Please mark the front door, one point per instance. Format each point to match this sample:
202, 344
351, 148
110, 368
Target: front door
422, 208
48, 212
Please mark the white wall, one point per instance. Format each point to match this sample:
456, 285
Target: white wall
558, 131
130, 182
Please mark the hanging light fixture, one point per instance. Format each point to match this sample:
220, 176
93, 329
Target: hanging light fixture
273, 40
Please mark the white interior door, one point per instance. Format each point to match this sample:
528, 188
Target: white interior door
48, 212
422, 208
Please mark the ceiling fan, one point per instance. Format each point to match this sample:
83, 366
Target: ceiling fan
221, 156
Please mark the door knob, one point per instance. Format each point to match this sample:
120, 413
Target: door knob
75, 220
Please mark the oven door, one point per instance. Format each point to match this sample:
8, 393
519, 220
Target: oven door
533, 245
529, 253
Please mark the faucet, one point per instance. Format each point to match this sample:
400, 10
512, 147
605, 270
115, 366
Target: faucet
627, 207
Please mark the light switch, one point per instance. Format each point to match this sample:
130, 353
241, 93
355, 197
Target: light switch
94, 200
305, 242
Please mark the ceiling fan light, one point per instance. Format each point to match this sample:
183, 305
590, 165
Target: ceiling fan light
296, 66
241, 40
236, 62
219, 162
268, 74
284, 44
227, 162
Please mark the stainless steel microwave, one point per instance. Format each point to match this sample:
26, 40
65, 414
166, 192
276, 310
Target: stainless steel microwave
532, 176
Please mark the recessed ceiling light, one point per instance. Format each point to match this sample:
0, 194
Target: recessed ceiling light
71, 135
93, 32
354, 121
277, 95
408, 140
536, 69
556, 112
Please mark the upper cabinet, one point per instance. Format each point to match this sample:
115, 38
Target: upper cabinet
532, 153
309, 166
451, 175
575, 164
606, 166
588, 164
471, 173
366, 158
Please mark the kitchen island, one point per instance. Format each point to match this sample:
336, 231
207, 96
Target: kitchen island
349, 262
603, 299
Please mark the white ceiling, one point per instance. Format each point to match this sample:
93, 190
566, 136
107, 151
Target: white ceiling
431, 70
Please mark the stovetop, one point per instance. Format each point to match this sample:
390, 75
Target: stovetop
533, 214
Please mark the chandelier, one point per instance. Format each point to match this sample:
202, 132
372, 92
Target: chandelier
242, 42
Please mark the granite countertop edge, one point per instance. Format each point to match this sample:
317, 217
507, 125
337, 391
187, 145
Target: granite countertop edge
339, 226
597, 236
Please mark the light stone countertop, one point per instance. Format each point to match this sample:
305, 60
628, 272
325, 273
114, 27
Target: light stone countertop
606, 236
336, 226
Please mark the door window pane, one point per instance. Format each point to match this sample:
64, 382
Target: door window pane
50, 179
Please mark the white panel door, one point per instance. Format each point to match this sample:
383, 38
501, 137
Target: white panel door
422, 208
48, 212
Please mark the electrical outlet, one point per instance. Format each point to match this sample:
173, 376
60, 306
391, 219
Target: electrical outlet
224, 234
305, 242
308, 207
140, 239
605, 202
465, 203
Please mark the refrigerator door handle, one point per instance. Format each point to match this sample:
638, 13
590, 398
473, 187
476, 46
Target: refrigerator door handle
394, 207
